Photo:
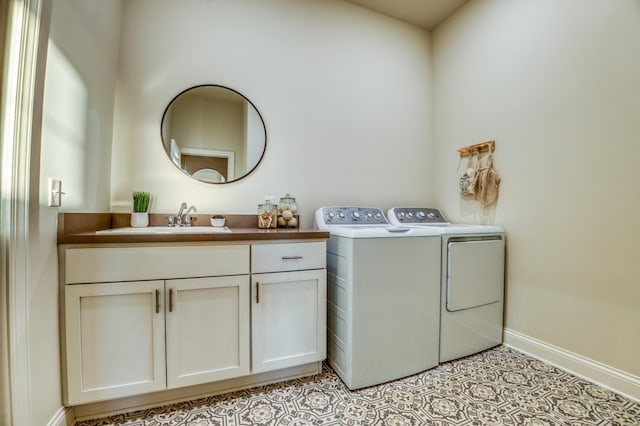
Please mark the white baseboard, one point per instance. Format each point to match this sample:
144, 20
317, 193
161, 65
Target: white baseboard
610, 378
63, 417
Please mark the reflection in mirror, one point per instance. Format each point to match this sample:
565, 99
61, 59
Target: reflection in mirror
213, 134
209, 175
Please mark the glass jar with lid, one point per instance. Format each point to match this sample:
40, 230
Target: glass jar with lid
287, 212
267, 215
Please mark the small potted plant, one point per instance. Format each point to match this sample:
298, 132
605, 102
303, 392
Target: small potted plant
140, 215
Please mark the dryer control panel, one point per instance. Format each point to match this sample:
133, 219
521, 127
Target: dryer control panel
352, 216
417, 215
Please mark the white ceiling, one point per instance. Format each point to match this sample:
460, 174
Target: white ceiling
426, 14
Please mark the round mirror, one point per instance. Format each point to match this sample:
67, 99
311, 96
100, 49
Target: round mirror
213, 134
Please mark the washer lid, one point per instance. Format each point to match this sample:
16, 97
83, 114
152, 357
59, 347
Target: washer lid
459, 229
380, 232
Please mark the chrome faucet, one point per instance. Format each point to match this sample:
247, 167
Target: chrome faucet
182, 218
179, 218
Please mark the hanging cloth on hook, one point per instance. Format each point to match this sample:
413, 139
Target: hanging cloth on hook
467, 178
487, 183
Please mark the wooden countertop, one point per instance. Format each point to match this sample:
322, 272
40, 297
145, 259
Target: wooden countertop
80, 228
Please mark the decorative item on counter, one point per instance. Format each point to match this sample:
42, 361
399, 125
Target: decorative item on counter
287, 212
140, 214
217, 220
267, 213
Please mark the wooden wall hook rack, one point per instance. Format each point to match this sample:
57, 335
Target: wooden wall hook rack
479, 148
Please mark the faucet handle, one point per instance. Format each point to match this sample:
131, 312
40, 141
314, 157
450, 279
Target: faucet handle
189, 219
170, 220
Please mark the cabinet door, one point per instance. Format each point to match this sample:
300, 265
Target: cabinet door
114, 340
288, 318
207, 329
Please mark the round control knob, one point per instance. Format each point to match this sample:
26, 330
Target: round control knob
378, 215
341, 215
355, 215
420, 215
401, 215
369, 215
331, 215
431, 215
409, 215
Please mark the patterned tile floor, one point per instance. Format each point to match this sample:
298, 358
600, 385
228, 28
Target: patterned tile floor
496, 387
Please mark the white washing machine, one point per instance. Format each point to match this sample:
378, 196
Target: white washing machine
383, 296
472, 280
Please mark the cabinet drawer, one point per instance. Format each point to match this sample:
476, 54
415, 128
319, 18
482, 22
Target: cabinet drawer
109, 264
288, 257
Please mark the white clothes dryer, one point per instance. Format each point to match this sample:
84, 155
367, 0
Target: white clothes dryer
383, 296
472, 281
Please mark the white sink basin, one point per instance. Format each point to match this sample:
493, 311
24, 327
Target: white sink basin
156, 230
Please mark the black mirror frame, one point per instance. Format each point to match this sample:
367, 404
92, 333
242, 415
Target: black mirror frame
264, 128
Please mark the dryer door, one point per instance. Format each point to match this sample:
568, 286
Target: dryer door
475, 273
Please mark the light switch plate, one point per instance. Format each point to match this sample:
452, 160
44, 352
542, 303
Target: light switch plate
55, 192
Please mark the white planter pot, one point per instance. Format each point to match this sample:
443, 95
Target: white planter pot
139, 220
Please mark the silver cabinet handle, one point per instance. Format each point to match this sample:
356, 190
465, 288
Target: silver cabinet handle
291, 257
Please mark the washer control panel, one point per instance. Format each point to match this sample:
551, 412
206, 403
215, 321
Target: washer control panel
353, 216
418, 215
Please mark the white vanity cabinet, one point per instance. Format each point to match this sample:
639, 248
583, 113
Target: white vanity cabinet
141, 318
150, 334
288, 305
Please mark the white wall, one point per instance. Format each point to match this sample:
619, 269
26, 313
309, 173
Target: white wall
557, 85
76, 146
344, 92
79, 96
